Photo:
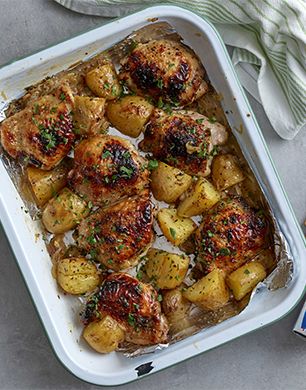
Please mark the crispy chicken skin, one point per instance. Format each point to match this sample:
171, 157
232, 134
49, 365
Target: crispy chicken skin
107, 169
42, 133
230, 234
183, 139
118, 235
133, 304
166, 69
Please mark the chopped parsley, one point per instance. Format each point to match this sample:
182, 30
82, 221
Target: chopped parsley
199, 121
160, 103
126, 172
224, 252
62, 96
48, 138
160, 83
106, 154
246, 271
153, 164
114, 90
159, 297
131, 320
212, 119
209, 233
173, 233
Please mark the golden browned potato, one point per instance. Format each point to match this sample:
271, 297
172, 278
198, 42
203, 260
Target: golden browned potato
226, 171
89, 115
176, 229
77, 275
45, 184
64, 212
210, 292
200, 197
168, 183
129, 114
104, 335
166, 270
103, 82
244, 279
176, 309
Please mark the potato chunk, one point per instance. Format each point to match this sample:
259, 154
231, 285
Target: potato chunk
77, 275
166, 270
103, 82
104, 335
129, 114
64, 212
45, 184
89, 116
176, 229
176, 308
244, 279
168, 183
226, 171
210, 292
200, 197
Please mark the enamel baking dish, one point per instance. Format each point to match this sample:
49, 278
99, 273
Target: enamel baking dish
60, 316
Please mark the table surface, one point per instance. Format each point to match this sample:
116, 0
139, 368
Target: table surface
270, 358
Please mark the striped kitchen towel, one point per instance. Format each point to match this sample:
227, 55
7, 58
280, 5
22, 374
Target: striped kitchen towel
269, 37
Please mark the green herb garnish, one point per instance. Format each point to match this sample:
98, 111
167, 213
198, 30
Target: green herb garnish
173, 233
106, 154
153, 164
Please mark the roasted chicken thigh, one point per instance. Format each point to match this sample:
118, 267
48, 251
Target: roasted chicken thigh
164, 69
230, 234
134, 305
42, 133
118, 235
184, 140
107, 169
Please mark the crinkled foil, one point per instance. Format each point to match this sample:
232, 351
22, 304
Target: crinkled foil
197, 319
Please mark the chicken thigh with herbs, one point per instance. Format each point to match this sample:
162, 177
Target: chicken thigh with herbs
107, 169
118, 235
185, 140
230, 234
134, 305
164, 69
42, 133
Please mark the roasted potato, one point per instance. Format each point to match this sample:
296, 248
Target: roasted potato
77, 275
199, 198
104, 335
129, 114
89, 116
226, 171
168, 183
176, 309
63, 212
244, 279
103, 82
45, 184
166, 270
176, 229
210, 292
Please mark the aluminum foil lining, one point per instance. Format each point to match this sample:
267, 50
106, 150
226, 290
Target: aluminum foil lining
197, 319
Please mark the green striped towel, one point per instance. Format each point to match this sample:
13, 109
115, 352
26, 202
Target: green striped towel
269, 37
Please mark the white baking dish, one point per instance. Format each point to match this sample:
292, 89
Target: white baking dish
59, 316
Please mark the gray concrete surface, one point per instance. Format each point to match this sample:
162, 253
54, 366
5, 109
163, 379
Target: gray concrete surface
271, 358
